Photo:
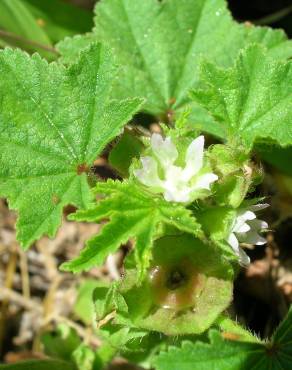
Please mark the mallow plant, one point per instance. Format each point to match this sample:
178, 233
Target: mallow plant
184, 204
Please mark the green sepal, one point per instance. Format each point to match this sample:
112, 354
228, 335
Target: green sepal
235, 172
212, 297
216, 221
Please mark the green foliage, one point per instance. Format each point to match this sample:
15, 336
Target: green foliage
52, 127
194, 306
160, 44
66, 345
61, 344
84, 307
84, 357
233, 355
15, 17
56, 120
39, 365
250, 101
122, 155
36, 25
233, 165
133, 213
59, 19
276, 156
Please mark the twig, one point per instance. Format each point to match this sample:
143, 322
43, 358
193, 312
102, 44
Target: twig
49, 261
29, 304
48, 304
275, 17
24, 274
17, 298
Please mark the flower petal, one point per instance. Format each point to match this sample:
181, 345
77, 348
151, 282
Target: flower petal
244, 228
258, 225
176, 189
252, 238
164, 150
244, 260
148, 174
194, 158
248, 215
182, 196
233, 242
204, 181
240, 225
242, 256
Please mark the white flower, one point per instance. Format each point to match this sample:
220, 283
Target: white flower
176, 183
245, 229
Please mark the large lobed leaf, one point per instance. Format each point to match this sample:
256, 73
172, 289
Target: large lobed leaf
252, 100
159, 45
223, 354
53, 124
133, 213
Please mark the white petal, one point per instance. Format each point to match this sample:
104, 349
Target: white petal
258, 225
244, 260
164, 150
248, 215
243, 257
244, 228
259, 207
148, 174
240, 225
253, 238
232, 240
177, 196
194, 157
204, 181
176, 189
173, 174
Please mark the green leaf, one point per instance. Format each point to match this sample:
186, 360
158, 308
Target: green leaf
61, 343
17, 18
84, 357
160, 44
59, 19
36, 25
223, 354
54, 122
122, 155
117, 339
252, 100
133, 213
20, 28
276, 156
83, 307
39, 365
219, 355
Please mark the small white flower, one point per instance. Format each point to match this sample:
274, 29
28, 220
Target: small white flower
176, 183
245, 229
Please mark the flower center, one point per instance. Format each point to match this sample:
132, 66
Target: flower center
176, 279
